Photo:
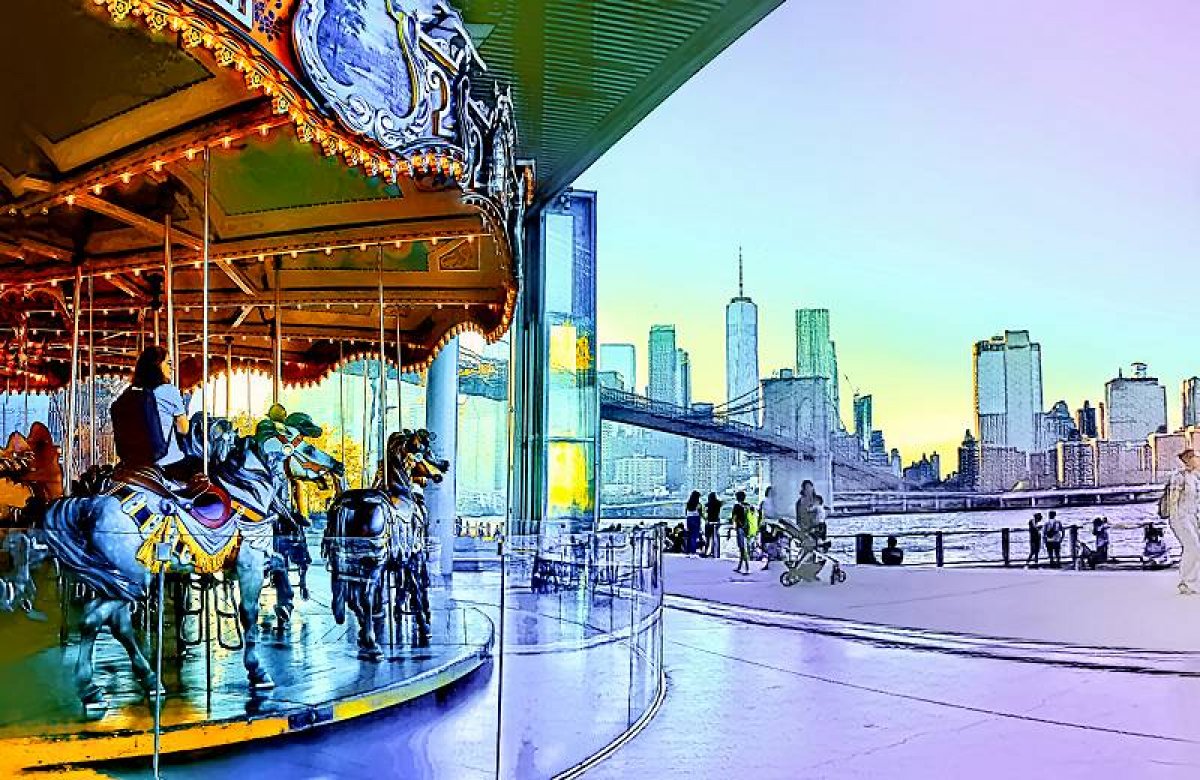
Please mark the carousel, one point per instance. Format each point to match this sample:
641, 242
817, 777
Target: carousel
276, 189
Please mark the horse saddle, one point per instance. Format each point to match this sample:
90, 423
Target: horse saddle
208, 504
365, 513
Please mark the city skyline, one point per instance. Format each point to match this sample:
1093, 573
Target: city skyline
940, 172
1040, 435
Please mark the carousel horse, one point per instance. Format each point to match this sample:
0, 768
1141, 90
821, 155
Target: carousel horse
115, 534
297, 461
29, 471
374, 531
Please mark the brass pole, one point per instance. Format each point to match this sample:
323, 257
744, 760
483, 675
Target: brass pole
169, 283
383, 378
73, 387
204, 305
92, 454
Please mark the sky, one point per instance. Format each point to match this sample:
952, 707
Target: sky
932, 172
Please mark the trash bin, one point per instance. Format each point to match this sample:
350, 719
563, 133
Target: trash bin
864, 549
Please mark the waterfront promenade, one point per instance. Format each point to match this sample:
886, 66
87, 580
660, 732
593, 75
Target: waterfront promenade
1123, 609
754, 692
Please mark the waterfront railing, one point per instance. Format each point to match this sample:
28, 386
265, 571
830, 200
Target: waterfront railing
1006, 547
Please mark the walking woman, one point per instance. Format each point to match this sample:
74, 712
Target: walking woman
741, 523
712, 523
806, 506
692, 523
766, 516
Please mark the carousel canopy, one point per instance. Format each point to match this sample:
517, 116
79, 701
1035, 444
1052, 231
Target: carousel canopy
323, 154
330, 152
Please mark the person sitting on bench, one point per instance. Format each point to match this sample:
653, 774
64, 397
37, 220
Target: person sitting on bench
892, 555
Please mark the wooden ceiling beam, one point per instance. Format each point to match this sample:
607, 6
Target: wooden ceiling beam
137, 221
125, 286
238, 277
44, 249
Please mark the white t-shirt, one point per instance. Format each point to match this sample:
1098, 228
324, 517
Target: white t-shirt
766, 509
170, 405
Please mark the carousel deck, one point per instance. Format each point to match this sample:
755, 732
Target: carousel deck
319, 681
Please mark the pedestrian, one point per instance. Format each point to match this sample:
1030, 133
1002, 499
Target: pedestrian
691, 516
1181, 504
766, 516
1100, 532
1035, 541
806, 511
741, 525
1052, 532
712, 526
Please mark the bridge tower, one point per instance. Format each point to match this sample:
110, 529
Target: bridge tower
800, 409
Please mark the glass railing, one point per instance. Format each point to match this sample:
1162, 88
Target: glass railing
582, 643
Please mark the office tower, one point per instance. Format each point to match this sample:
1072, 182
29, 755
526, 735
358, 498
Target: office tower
1122, 463
1086, 422
1136, 406
1076, 463
622, 359
862, 420
1191, 402
683, 379
924, 472
816, 355
1164, 450
1008, 391
877, 454
1057, 425
968, 462
663, 365
741, 354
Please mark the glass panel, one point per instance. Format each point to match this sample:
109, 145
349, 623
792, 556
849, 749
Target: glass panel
582, 645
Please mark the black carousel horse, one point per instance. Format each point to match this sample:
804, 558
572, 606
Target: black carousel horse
378, 531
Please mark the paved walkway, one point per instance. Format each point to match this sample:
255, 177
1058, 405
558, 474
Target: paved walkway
1120, 609
752, 701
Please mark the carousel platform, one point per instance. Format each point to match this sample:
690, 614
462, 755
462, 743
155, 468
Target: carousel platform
319, 681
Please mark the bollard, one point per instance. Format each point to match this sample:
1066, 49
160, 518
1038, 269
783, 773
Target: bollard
1006, 544
939, 551
1074, 530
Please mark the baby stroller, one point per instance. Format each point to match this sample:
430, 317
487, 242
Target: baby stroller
1154, 553
806, 554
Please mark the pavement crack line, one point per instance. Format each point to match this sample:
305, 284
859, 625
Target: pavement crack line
938, 702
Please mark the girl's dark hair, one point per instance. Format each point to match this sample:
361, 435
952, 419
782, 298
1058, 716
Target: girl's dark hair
712, 498
694, 500
148, 373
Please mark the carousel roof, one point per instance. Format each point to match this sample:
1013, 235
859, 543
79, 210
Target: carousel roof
357, 150
310, 217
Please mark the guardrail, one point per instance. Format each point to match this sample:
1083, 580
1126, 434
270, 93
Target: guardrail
1009, 546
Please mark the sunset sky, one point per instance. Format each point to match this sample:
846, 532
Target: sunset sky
932, 172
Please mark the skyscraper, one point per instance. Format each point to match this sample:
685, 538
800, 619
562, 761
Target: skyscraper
968, 462
862, 420
664, 359
741, 352
1191, 402
683, 379
1085, 421
1008, 392
816, 355
1057, 425
1136, 406
621, 358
